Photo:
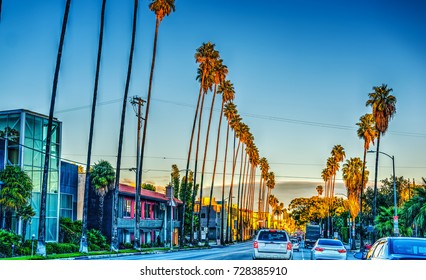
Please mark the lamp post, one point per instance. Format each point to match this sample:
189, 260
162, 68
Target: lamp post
395, 217
32, 244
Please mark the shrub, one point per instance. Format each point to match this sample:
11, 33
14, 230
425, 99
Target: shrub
7, 238
95, 237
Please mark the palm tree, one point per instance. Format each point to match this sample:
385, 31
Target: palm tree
231, 114
41, 244
25, 213
414, 210
83, 241
368, 133
273, 202
383, 106
15, 192
102, 180
319, 190
227, 90
218, 73
114, 234
205, 56
352, 176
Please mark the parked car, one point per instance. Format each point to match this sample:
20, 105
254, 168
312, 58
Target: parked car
328, 249
396, 248
295, 243
272, 244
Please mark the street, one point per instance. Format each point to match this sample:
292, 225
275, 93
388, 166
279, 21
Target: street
239, 251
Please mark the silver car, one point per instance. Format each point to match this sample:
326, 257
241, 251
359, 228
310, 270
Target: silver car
272, 244
328, 249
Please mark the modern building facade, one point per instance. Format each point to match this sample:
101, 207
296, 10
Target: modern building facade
23, 143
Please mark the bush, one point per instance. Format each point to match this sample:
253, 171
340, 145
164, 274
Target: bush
7, 238
96, 238
61, 248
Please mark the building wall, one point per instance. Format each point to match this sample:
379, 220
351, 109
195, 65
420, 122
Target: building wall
28, 153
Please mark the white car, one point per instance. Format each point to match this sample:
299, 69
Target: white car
328, 249
272, 244
295, 244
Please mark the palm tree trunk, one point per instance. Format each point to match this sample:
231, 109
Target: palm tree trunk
185, 186
204, 163
101, 210
215, 164
230, 190
375, 187
361, 241
83, 241
114, 234
222, 239
41, 244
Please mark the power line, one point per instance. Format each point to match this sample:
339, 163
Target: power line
258, 116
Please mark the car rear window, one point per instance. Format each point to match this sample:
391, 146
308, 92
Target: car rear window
329, 242
409, 247
272, 236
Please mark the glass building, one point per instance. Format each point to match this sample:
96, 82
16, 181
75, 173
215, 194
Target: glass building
23, 143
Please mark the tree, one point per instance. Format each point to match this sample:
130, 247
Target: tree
352, 172
414, 210
25, 213
15, 192
227, 90
114, 233
218, 73
366, 131
83, 242
41, 242
175, 179
384, 108
204, 55
161, 8
102, 180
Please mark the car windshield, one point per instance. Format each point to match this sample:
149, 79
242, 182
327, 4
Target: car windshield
329, 242
294, 241
272, 236
409, 247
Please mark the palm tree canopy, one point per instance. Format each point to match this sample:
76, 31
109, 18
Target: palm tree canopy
162, 8
367, 130
384, 106
102, 176
17, 187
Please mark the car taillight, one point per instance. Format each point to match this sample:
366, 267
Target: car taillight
255, 245
289, 245
341, 251
319, 249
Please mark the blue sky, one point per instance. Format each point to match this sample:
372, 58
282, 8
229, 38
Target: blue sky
302, 71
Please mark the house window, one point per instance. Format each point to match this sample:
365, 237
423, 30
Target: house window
127, 208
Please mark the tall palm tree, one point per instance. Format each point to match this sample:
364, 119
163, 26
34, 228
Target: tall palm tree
161, 8
384, 108
218, 73
231, 114
114, 233
205, 56
366, 131
84, 248
227, 90
41, 244
273, 202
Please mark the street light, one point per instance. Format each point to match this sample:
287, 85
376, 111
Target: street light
32, 244
395, 217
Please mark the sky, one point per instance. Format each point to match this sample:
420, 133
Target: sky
302, 71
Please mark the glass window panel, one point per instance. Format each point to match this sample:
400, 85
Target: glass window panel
38, 128
35, 203
52, 205
29, 126
51, 229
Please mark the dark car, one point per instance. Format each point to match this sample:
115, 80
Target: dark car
272, 244
396, 248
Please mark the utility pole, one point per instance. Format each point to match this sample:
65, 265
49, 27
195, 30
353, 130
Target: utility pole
137, 102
